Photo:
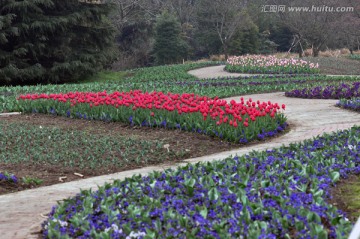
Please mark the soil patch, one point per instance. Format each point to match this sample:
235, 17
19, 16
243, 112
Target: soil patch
336, 65
182, 145
345, 196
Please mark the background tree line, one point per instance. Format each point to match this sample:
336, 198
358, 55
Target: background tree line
229, 27
53, 41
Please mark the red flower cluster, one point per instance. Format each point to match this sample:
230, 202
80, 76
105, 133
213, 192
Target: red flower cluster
219, 110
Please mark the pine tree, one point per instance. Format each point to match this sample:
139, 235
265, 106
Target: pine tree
250, 40
245, 41
53, 41
169, 47
17, 46
282, 36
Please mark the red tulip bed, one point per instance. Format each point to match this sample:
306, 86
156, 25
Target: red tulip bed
233, 121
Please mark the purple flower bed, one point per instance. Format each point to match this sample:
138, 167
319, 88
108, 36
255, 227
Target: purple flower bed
278, 193
344, 90
352, 104
249, 80
237, 83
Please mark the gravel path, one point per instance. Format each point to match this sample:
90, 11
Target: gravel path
22, 213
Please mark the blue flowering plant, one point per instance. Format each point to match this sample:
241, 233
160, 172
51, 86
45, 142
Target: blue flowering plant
8, 178
332, 91
280, 193
351, 104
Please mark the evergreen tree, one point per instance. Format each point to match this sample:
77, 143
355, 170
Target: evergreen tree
17, 46
282, 36
266, 45
53, 41
245, 41
169, 47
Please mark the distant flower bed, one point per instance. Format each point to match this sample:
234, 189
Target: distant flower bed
269, 65
337, 91
281, 193
351, 104
234, 121
254, 80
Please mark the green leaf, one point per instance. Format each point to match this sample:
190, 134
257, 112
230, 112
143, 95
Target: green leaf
150, 234
336, 220
323, 234
204, 212
213, 194
335, 176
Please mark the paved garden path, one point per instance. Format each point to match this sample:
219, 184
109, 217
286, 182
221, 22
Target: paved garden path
218, 71
21, 213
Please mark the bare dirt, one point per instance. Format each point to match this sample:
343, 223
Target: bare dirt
345, 196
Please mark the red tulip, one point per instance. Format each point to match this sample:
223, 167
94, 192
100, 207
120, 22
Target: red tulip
235, 124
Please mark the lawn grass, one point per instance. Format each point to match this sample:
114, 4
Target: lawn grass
349, 193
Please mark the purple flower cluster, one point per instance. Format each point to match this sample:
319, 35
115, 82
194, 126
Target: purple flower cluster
352, 104
242, 139
265, 134
8, 178
338, 91
246, 80
279, 193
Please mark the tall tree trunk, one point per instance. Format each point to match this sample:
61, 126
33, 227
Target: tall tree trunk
226, 51
316, 51
301, 53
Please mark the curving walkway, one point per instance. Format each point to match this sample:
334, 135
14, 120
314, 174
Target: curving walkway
219, 71
22, 213
215, 72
